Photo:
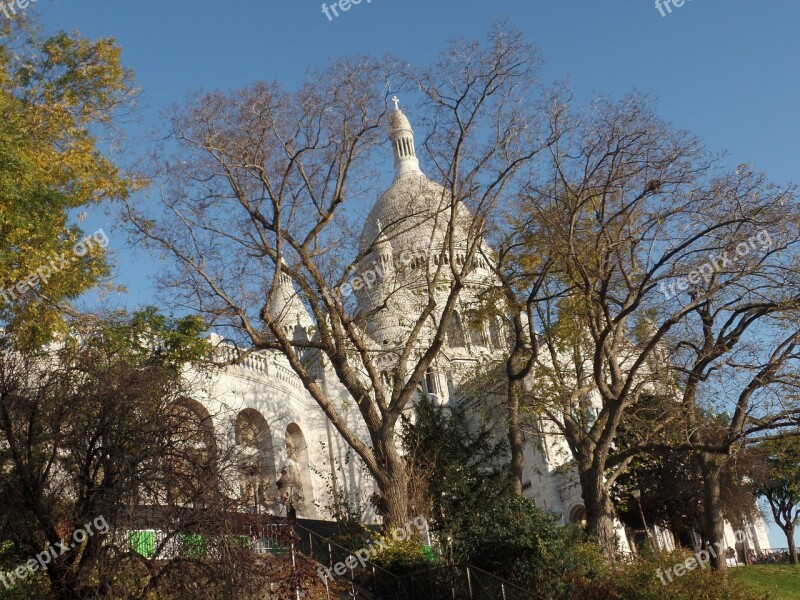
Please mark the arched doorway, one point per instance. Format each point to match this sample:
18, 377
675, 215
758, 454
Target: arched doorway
256, 460
577, 516
298, 467
190, 457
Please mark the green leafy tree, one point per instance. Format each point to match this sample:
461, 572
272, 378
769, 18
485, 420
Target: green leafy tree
462, 477
778, 481
515, 539
89, 429
454, 472
669, 475
671, 486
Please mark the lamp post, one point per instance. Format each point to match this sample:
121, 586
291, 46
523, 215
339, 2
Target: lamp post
637, 494
286, 487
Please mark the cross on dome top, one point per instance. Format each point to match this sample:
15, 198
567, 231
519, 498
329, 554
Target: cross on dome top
396, 101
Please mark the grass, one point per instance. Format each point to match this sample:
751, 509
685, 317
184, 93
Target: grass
781, 581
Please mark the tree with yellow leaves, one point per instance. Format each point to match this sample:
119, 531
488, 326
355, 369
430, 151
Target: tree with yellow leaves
58, 96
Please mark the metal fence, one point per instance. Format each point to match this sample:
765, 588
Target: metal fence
267, 538
463, 582
378, 581
776, 555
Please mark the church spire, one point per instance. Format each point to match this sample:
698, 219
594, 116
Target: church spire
402, 136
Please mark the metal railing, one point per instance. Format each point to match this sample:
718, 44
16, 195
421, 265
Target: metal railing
460, 582
262, 538
775, 555
369, 580
371, 577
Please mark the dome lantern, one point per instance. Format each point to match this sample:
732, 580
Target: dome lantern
402, 136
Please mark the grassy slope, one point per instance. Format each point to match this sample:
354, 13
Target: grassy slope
781, 581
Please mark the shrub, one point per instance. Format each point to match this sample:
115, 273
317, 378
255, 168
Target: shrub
353, 541
518, 541
403, 557
639, 581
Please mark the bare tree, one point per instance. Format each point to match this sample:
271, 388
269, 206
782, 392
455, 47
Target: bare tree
643, 268
101, 430
261, 202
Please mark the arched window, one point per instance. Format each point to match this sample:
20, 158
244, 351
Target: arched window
431, 383
577, 516
476, 335
496, 333
388, 378
455, 332
195, 422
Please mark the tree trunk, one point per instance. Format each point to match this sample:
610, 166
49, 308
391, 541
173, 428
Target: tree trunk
515, 442
62, 584
714, 521
789, 532
393, 484
600, 512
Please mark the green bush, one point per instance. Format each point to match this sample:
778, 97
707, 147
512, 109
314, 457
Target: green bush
354, 540
639, 581
403, 557
518, 541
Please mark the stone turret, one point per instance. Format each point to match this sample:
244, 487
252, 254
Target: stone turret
288, 310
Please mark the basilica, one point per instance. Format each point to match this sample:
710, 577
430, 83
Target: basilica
263, 408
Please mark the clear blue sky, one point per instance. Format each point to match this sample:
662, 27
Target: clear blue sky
727, 71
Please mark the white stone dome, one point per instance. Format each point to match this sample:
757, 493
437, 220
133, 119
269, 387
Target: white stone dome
404, 240
413, 214
408, 213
